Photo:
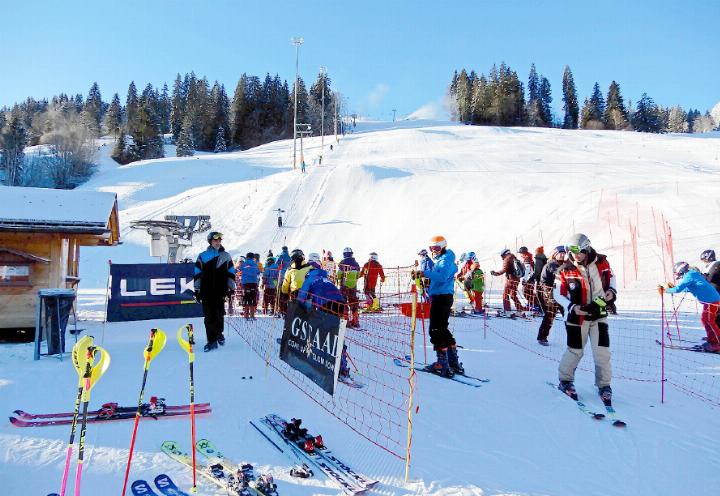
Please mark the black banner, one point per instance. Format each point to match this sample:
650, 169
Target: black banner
151, 291
312, 343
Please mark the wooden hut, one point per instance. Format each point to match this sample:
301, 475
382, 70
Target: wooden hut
41, 232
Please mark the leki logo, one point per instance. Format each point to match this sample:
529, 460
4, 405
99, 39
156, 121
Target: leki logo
159, 287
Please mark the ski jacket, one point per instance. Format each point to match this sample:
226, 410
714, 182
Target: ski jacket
283, 261
540, 261
329, 266
426, 264
527, 261
317, 290
508, 268
270, 276
475, 280
348, 271
580, 284
547, 276
712, 274
442, 275
371, 271
694, 282
465, 269
214, 274
250, 272
294, 278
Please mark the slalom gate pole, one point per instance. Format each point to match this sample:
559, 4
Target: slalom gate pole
92, 374
79, 357
411, 382
155, 346
188, 347
662, 351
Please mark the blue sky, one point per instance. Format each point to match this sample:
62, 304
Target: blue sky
380, 54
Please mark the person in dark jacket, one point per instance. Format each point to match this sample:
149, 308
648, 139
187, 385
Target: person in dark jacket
318, 291
540, 261
249, 281
511, 281
545, 284
712, 268
347, 278
214, 280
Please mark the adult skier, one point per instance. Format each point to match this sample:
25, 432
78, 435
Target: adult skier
372, 271
214, 280
711, 269
347, 276
329, 265
511, 280
442, 289
545, 284
249, 280
579, 289
295, 275
270, 282
318, 291
693, 281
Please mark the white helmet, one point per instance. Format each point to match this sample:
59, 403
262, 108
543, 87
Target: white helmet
374, 256
314, 257
347, 251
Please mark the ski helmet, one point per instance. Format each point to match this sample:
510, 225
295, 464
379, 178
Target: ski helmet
250, 255
374, 256
437, 243
270, 260
297, 255
471, 256
314, 257
347, 252
559, 250
285, 248
504, 252
214, 235
680, 269
708, 256
423, 252
577, 242
523, 249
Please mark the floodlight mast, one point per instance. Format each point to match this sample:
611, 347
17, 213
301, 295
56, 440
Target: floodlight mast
297, 41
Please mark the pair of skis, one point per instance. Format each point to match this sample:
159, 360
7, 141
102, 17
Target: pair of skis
311, 450
465, 379
163, 483
696, 348
239, 481
610, 412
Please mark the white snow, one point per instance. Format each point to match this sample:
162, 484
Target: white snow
388, 187
55, 205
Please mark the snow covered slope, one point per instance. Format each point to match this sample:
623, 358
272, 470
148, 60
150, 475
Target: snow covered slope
388, 187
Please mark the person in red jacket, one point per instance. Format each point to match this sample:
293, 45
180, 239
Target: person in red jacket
372, 271
511, 281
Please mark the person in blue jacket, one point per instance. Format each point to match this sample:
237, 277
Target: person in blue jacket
441, 290
214, 280
270, 282
249, 277
691, 280
318, 291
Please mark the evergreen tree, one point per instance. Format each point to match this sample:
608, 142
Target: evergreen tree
13, 141
546, 101
593, 110
646, 119
464, 96
570, 101
94, 107
220, 140
184, 145
131, 106
481, 101
616, 115
315, 105
238, 113
165, 109
113, 117
119, 152
677, 120
533, 85
177, 107
147, 140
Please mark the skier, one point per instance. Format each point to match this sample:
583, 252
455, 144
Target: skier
579, 289
347, 276
371, 271
283, 259
318, 291
442, 289
511, 280
426, 264
270, 282
295, 275
279, 215
692, 280
214, 280
465, 282
329, 265
712, 268
250, 274
540, 261
474, 282
314, 260
545, 284
528, 286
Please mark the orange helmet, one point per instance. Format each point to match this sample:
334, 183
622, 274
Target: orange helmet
437, 243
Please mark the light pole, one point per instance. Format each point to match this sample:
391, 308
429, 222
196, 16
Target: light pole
335, 97
297, 41
394, 110
323, 71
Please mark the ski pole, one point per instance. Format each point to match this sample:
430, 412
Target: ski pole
155, 346
419, 285
188, 347
91, 375
79, 356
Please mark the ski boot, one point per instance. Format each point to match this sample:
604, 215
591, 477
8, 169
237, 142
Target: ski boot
568, 388
441, 367
605, 394
266, 485
308, 446
217, 471
318, 442
303, 472
210, 346
453, 361
155, 407
107, 411
543, 342
221, 340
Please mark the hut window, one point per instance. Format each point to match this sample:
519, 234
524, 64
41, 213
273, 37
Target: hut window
14, 275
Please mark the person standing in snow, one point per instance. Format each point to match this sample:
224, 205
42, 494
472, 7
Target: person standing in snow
511, 281
214, 280
295, 275
579, 289
372, 271
270, 282
426, 264
442, 289
474, 282
347, 277
693, 281
711, 271
249, 280
528, 286
329, 265
540, 261
545, 284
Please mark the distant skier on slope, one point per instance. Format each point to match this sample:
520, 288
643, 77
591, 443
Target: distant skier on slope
692, 280
279, 216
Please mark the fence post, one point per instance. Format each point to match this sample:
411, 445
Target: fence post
411, 378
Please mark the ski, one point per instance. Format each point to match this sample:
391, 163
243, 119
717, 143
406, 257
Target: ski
329, 455
421, 364
213, 473
119, 409
457, 377
581, 406
97, 419
351, 382
696, 348
142, 488
167, 487
315, 459
612, 415
241, 476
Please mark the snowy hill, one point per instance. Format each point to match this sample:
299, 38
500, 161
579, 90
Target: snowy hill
388, 187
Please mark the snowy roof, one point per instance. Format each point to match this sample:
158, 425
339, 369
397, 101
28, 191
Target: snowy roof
55, 210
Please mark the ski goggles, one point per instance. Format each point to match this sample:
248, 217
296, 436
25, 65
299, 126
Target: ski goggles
576, 249
217, 236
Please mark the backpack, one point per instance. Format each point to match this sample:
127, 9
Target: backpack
519, 268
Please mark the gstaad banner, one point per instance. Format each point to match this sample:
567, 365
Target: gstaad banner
312, 344
151, 291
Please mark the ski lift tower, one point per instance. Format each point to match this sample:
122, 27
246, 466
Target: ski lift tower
302, 131
170, 237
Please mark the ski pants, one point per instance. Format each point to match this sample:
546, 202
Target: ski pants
269, 295
476, 298
529, 294
710, 319
214, 311
350, 295
550, 310
440, 335
577, 337
510, 293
